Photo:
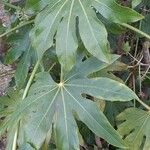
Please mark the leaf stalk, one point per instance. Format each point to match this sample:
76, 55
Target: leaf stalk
145, 105
136, 30
14, 146
11, 5
16, 28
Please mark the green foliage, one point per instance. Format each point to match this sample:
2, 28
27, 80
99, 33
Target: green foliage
135, 128
136, 3
49, 102
50, 105
61, 17
145, 24
20, 47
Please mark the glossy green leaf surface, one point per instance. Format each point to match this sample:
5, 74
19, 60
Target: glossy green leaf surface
60, 104
70, 83
61, 19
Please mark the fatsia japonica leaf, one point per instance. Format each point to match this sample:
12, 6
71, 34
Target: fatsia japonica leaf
20, 49
145, 24
27, 147
62, 18
8, 104
33, 6
60, 104
135, 3
87, 67
135, 128
51, 102
19, 42
23, 68
112, 109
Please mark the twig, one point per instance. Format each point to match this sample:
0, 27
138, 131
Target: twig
146, 57
140, 81
137, 40
133, 77
145, 105
17, 27
10, 5
51, 67
138, 62
98, 142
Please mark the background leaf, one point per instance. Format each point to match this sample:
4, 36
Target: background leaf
20, 49
136, 132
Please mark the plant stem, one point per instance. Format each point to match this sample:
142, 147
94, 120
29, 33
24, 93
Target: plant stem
52, 66
145, 105
134, 101
136, 30
31, 79
137, 40
140, 81
11, 6
14, 146
17, 27
148, 37
61, 75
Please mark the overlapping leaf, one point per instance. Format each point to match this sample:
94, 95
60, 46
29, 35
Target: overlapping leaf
33, 6
8, 105
112, 109
135, 128
19, 42
20, 47
61, 18
145, 24
136, 3
61, 104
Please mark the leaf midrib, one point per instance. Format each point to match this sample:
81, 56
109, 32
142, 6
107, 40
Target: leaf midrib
68, 26
84, 11
146, 119
22, 110
59, 10
87, 112
65, 115
82, 86
49, 107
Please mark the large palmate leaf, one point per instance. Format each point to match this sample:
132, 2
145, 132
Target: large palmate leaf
135, 128
62, 18
60, 104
